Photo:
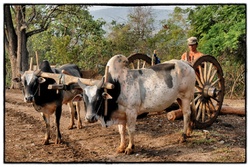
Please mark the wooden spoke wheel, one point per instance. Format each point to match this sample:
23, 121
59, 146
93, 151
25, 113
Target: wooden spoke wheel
209, 91
139, 60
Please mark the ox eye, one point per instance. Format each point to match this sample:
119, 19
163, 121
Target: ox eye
34, 84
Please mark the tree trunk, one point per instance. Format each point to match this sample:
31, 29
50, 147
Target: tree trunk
11, 43
20, 31
175, 114
15, 38
233, 110
15, 42
24, 52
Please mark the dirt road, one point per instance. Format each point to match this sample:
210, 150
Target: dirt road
156, 138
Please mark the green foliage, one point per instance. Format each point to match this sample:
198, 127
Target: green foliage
73, 37
170, 41
134, 36
221, 30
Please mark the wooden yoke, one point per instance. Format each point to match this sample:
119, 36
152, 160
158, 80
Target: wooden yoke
69, 79
105, 90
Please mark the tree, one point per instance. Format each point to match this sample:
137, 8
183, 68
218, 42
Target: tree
24, 21
74, 37
133, 36
170, 41
221, 30
17, 19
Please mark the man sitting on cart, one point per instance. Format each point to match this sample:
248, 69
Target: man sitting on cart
193, 53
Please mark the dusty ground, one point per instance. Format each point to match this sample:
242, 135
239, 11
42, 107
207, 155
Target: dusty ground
156, 138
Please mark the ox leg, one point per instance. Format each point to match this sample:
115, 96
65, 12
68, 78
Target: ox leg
58, 116
46, 119
122, 146
131, 122
78, 109
185, 107
72, 112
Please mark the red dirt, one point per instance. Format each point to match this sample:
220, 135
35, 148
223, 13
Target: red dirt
156, 138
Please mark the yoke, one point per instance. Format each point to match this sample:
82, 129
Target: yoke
65, 79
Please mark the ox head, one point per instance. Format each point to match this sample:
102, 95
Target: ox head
92, 98
94, 101
31, 85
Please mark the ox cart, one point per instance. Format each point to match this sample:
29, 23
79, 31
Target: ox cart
209, 88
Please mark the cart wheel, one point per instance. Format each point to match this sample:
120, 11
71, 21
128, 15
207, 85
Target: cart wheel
209, 91
139, 60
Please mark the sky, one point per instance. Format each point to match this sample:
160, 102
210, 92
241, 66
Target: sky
105, 7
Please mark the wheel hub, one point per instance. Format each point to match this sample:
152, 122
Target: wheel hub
209, 91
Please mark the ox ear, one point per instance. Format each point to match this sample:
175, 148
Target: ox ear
81, 84
77, 98
41, 80
17, 79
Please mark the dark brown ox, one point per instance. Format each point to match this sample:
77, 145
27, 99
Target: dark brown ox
139, 91
49, 101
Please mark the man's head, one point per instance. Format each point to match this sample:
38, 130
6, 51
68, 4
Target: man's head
192, 41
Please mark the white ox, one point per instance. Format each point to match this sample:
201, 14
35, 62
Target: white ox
138, 91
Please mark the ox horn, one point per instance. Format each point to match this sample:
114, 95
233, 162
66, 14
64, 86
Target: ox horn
38, 72
100, 84
81, 84
31, 63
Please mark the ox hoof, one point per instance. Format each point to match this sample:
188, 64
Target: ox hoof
183, 138
120, 149
58, 141
70, 127
129, 151
79, 126
46, 142
189, 132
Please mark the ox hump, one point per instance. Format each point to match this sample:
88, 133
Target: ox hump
117, 65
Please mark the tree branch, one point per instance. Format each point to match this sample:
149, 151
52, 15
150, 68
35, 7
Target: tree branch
33, 15
45, 23
28, 34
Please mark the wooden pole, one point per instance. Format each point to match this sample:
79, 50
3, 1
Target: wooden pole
175, 114
152, 58
232, 110
37, 61
31, 63
106, 91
